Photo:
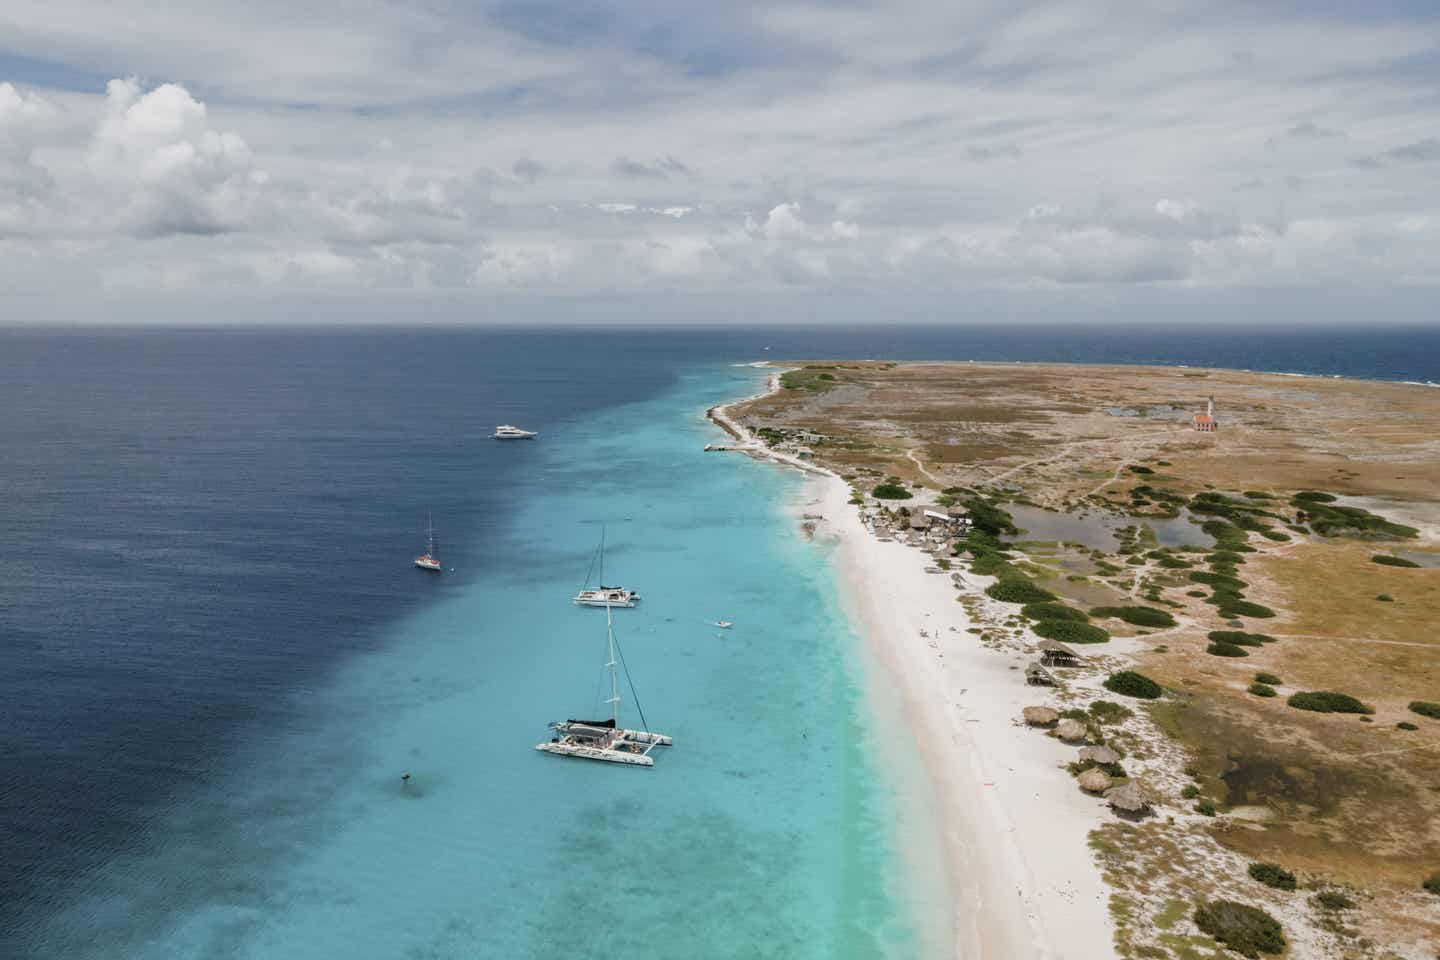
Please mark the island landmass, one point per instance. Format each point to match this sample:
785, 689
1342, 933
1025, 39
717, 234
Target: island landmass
1191, 619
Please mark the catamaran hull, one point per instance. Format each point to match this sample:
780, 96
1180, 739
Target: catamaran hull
585, 752
587, 602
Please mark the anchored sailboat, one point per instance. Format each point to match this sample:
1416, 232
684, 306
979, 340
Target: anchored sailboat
604, 596
606, 739
430, 559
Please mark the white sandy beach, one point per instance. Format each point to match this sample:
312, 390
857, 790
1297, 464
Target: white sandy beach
1024, 881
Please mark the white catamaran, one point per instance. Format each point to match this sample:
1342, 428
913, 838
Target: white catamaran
606, 739
430, 559
603, 596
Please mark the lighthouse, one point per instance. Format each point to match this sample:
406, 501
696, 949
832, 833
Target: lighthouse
1205, 422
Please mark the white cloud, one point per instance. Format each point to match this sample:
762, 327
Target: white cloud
891, 147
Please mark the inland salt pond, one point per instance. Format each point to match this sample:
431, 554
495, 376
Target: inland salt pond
1098, 530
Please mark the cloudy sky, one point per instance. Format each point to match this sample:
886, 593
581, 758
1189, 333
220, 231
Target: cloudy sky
544, 151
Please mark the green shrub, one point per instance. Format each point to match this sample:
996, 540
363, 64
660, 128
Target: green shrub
1108, 711
1139, 616
1226, 650
1128, 683
1406, 725
1190, 792
1240, 637
1261, 690
1332, 900
1273, 875
1217, 580
891, 491
1018, 591
1205, 808
1247, 930
1314, 496
1053, 611
1326, 701
1244, 608
1258, 495
1425, 708
1226, 557
1070, 631
1389, 561
1138, 468
1385, 598
1432, 883
1269, 678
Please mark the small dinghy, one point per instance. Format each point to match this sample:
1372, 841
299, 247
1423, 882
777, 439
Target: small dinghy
723, 624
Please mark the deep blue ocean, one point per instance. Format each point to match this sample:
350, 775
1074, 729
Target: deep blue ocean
216, 658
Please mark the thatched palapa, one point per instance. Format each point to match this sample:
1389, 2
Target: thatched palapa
1099, 755
1071, 731
1041, 716
1094, 781
1127, 798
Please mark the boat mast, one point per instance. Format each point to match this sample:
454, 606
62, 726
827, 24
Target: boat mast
430, 533
614, 700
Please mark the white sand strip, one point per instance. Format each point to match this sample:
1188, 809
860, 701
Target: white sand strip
1015, 826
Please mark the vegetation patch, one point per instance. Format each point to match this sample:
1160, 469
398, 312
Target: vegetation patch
1273, 875
1315, 496
1327, 701
1226, 650
1332, 521
811, 378
1269, 678
1018, 591
891, 489
1244, 608
1139, 616
1425, 708
1240, 638
1247, 930
1406, 725
1070, 631
1332, 900
1392, 561
1262, 690
1128, 683
1108, 711
1432, 883
1053, 611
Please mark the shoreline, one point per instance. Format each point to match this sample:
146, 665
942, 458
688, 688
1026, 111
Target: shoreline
1016, 859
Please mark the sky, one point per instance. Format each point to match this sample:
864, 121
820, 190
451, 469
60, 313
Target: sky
537, 157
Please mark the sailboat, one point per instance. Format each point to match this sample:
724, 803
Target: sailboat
429, 560
606, 739
604, 596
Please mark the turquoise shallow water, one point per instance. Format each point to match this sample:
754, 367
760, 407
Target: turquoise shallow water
767, 831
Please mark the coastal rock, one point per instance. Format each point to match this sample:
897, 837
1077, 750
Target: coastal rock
1071, 731
1041, 716
1094, 781
1099, 755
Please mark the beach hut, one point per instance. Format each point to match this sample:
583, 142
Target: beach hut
1053, 653
1038, 676
1071, 731
919, 521
1099, 755
1094, 781
1040, 716
1127, 798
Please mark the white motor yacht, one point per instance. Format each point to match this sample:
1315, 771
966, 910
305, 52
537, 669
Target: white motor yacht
507, 432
